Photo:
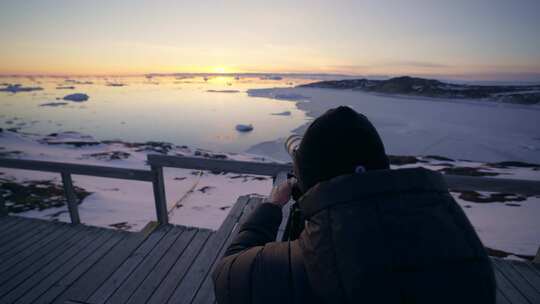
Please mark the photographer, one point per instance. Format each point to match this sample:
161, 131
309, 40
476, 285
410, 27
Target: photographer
368, 235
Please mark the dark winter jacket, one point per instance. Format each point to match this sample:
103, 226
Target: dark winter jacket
388, 236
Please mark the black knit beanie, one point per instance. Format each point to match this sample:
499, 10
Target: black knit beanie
336, 143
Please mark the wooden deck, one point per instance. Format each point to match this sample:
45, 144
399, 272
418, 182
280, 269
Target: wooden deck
45, 262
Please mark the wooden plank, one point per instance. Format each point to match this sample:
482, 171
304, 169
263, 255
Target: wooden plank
20, 244
528, 273
185, 292
6, 221
500, 298
518, 281
102, 294
124, 292
39, 284
233, 166
29, 262
26, 231
77, 169
67, 281
88, 283
71, 198
17, 286
508, 290
162, 269
25, 255
205, 294
19, 227
180, 268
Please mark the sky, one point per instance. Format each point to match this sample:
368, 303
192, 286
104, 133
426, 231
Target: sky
474, 39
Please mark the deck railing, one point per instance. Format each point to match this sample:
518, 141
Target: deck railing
158, 162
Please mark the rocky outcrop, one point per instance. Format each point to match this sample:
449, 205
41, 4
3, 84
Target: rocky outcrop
406, 85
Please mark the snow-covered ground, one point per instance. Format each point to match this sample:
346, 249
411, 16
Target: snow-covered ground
460, 129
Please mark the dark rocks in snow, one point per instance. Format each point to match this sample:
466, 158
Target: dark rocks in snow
400, 160
121, 226
246, 177
21, 197
150, 146
503, 254
437, 157
205, 189
9, 154
69, 138
65, 88
209, 155
476, 197
467, 171
516, 164
109, 155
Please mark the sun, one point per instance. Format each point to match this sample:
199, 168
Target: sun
218, 69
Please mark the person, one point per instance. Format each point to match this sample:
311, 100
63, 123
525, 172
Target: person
371, 234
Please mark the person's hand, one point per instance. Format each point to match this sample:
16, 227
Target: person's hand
281, 194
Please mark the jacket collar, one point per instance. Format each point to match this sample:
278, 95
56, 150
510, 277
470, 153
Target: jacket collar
353, 187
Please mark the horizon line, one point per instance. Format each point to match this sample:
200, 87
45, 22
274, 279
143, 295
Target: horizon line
462, 77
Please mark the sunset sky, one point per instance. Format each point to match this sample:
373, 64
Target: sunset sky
475, 39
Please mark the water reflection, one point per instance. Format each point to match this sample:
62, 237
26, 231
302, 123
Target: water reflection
196, 111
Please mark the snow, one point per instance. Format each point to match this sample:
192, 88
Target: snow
244, 128
472, 130
76, 97
509, 228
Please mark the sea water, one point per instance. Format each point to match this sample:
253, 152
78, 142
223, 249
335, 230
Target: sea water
195, 111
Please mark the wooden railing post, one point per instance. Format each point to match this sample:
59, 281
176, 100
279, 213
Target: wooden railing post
71, 197
160, 200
